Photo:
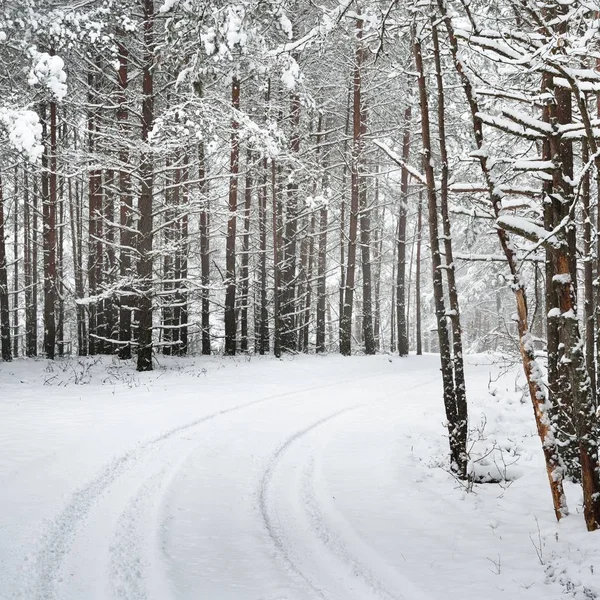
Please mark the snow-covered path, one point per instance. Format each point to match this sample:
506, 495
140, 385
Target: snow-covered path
234, 479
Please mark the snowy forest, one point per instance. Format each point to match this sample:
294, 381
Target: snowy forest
256, 199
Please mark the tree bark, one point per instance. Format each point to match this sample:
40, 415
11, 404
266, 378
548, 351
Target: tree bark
458, 449
5, 345
402, 334
263, 328
230, 316
457, 348
245, 271
531, 369
419, 341
126, 217
287, 307
49, 193
348, 304
204, 248
144, 265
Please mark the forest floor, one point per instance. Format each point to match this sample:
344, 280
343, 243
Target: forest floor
264, 479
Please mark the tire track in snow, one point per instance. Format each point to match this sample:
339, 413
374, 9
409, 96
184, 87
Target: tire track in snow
317, 521
275, 533
128, 567
332, 541
61, 533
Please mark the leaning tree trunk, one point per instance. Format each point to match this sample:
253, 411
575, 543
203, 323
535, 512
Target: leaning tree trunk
457, 438
457, 347
531, 369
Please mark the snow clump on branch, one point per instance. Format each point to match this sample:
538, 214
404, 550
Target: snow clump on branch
24, 131
48, 71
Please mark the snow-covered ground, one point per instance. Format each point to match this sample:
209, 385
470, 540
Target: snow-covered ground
260, 479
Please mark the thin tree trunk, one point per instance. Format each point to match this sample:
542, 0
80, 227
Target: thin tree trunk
74, 216
94, 200
5, 346
28, 268
458, 449
530, 367
401, 240
204, 248
263, 345
321, 278
15, 332
346, 321
35, 270
245, 272
144, 266
168, 328
588, 275
230, 317
419, 341
126, 218
276, 262
343, 209
183, 260
49, 191
365, 242
457, 359
378, 264
287, 309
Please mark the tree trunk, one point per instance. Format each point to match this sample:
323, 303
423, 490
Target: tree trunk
49, 190
457, 359
322, 278
287, 309
126, 218
401, 241
276, 261
419, 341
74, 219
204, 248
588, 275
32, 332
181, 297
5, 346
346, 321
458, 449
532, 371
245, 271
263, 328
144, 266
365, 241
230, 317
30, 342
